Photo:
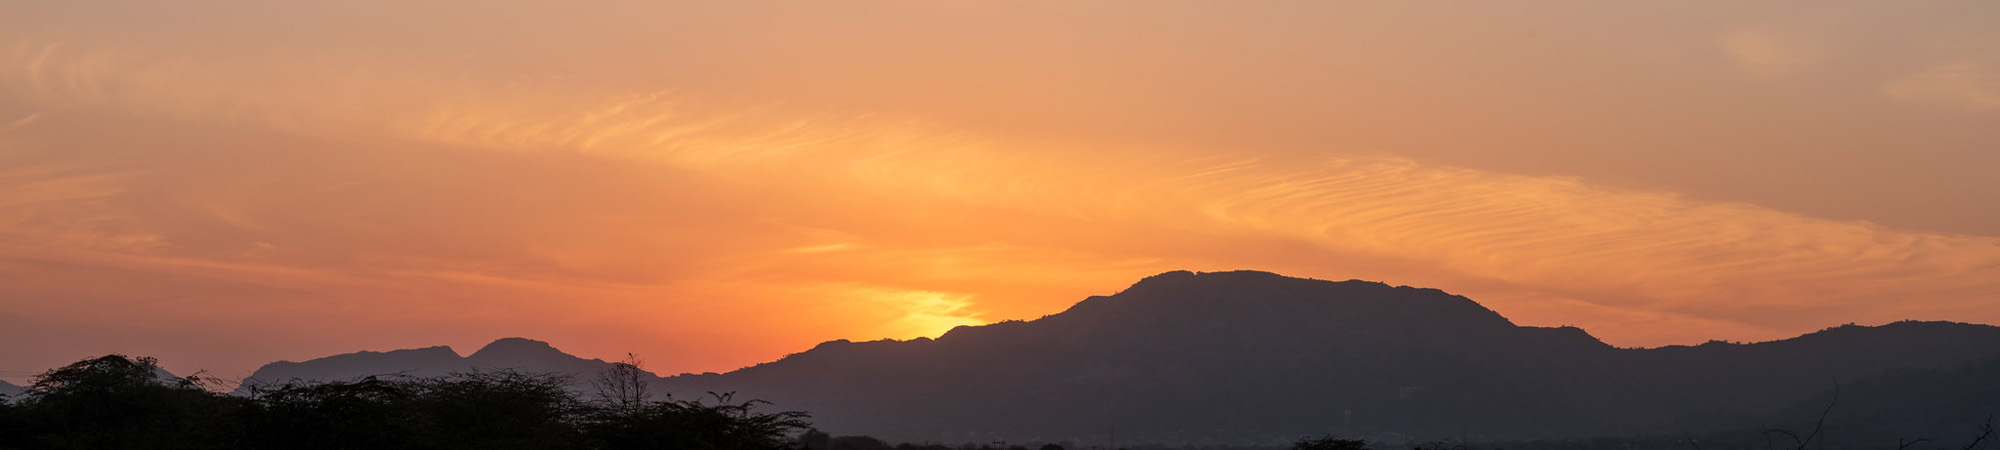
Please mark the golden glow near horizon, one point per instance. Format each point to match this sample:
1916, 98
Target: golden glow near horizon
226, 183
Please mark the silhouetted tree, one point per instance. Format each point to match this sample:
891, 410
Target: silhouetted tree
624, 385
119, 402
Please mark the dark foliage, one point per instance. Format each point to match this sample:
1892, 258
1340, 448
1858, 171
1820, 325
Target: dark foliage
117, 402
1329, 443
909, 446
485, 410
369, 413
721, 424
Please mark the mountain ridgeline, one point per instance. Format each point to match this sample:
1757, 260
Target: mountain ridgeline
509, 353
1258, 358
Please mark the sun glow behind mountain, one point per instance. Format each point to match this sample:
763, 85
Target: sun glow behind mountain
222, 183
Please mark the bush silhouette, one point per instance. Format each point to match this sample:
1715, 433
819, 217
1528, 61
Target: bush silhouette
1329, 443
498, 410
484, 410
119, 402
722, 423
367, 413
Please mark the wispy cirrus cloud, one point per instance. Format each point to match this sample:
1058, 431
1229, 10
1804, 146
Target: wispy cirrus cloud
1542, 236
622, 189
1971, 84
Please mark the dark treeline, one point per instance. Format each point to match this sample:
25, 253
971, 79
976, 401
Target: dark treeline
118, 402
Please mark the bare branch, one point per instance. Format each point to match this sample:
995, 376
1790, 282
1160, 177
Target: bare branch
1985, 431
1794, 436
624, 385
1821, 424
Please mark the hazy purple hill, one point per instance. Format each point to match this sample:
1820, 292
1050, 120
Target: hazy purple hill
10, 391
510, 353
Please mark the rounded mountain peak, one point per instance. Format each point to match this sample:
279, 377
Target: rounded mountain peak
516, 347
1258, 298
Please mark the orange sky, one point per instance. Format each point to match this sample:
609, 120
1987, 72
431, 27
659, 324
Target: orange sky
223, 183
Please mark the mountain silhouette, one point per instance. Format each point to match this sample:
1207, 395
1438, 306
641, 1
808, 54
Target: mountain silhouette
9, 392
1259, 358
1254, 357
518, 354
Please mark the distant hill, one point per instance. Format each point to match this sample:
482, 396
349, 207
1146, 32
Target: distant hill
510, 353
1258, 358
9, 391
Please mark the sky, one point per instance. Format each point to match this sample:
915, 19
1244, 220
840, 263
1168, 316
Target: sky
714, 184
